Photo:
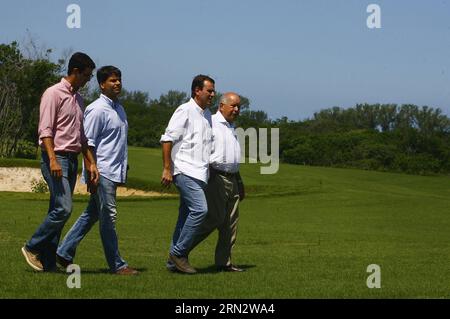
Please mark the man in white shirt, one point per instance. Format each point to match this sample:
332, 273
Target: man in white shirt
225, 187
186, 146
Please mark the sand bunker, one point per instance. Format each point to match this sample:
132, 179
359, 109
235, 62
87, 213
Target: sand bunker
21, 179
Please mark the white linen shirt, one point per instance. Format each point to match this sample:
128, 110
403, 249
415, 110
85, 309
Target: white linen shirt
226, 151
189, 130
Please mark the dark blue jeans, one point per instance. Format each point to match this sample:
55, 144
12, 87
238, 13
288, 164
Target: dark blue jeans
46, 238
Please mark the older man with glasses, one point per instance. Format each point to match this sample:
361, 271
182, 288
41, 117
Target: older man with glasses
225, 187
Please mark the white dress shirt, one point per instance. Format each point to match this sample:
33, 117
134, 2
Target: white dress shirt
189, 130
226, 151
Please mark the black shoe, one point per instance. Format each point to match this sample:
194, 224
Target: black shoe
64, 263
230, 268
170, 266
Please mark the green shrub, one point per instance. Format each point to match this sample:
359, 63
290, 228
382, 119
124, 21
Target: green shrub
26, 149
39, 186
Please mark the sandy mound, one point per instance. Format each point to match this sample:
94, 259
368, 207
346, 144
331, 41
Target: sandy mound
22, 179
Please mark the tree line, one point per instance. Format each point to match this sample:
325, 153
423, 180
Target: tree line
387, 137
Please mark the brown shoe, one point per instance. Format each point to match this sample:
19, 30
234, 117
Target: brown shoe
32, 259
182, 264
230, 268
127, 271
64, 263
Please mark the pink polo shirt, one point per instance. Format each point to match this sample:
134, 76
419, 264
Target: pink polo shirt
61, 117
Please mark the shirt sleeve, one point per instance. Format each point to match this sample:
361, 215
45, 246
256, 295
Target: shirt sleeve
214, 141
93, 123
48, 111
176, 127
84, 140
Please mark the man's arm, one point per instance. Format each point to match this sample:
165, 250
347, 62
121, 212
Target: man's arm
167, 177
48, 113
91, 128
90, 164
241, 188
55, 168
173, 133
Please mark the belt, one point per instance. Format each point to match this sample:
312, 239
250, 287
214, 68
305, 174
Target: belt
226, 174
66, 154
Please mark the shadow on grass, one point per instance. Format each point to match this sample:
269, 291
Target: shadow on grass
83, 271
213, 269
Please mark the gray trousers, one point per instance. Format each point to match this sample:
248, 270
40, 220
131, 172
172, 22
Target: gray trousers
222, 196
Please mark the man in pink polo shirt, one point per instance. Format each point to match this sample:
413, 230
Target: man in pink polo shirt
61, 138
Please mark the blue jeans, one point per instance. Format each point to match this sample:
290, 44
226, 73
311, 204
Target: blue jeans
191, 213
46, 238
102, 208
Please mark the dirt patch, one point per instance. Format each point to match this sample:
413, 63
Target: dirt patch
21, 179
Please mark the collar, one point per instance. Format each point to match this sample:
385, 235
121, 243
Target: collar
67, 85
197, 107
109, 101
221, 119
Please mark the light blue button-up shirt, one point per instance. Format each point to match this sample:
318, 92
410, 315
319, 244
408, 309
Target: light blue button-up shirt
106, 129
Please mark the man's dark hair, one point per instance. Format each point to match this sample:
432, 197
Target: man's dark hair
80, 61
106, 71
199, 82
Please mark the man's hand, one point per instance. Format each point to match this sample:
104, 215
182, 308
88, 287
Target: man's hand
167, 178
241, 188
91, 188
93, 177
93, 173
241, 191
55, 168
91, 168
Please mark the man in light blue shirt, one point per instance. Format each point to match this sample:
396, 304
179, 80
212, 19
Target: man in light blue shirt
106, 129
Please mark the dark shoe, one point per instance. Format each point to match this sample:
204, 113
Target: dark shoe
32, 259
230, 268
55, 270
171, 266
182, 264
64, 263
127, 271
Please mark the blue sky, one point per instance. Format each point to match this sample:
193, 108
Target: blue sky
290, 58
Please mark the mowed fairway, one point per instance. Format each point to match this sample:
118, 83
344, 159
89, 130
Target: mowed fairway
305, 232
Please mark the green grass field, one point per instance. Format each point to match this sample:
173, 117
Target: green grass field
305, 232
